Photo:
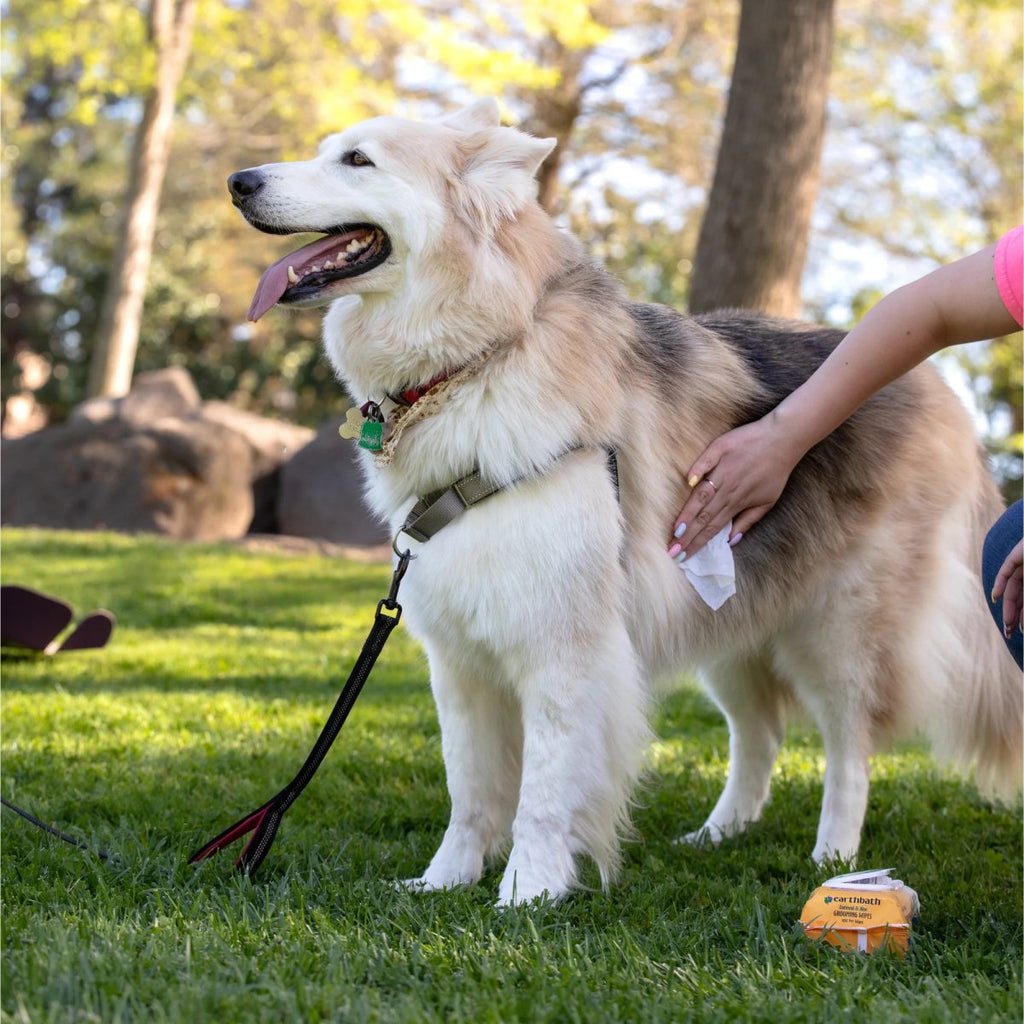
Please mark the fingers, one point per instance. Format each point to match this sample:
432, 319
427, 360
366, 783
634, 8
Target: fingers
745, 520
1013, 605
1009, 585
704, 515
706, 462
708, 511
1010, 569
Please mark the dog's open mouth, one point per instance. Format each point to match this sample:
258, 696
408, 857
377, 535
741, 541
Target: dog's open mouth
303, 275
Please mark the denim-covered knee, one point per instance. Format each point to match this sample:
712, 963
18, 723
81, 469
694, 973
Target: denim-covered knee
1000, 541
1005, 534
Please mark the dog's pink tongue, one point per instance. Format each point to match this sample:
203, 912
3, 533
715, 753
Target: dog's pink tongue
274, 282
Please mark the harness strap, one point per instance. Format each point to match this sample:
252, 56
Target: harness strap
434, 511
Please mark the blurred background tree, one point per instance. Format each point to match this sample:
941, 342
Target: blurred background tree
921, 163
754, 234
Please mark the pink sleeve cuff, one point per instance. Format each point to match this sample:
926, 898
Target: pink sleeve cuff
1009, 271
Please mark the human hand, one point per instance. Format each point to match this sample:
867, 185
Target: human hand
1009, 586
738, 477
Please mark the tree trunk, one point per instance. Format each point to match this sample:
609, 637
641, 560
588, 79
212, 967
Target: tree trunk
117, 337
753, 240
555, 112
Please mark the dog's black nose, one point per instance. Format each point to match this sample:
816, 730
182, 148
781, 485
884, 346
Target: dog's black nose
243, 184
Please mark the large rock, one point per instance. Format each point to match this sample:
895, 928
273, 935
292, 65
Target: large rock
160, 394
188, 478
159, 459
272, 443
156, 395
321, 493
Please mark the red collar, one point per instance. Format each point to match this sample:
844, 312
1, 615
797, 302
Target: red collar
410, 396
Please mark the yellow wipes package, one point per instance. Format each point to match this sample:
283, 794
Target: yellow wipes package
864, 911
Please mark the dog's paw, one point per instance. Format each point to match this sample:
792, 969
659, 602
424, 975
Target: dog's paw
705, 837
421, 885
519, 890
515, 898
426, 883
826, 857
413, 885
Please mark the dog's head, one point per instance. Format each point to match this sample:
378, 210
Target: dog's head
382, 194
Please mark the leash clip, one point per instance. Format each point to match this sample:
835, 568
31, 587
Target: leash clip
404, 558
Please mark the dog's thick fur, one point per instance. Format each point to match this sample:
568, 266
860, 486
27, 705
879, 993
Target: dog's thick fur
550, 610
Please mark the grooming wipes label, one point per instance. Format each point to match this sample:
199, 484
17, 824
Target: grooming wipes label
863, 911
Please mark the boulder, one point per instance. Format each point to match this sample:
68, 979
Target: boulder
271, 444
187, 478
160, 394
321, 493
159, 459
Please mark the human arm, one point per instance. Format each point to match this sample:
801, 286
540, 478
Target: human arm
741, 474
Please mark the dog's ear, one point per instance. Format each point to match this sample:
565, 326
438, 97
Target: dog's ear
499, 174
479, 114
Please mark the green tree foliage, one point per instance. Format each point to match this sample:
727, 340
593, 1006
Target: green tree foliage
922, 158
267, 79
931, 94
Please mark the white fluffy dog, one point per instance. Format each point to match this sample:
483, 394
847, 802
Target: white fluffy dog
484, 346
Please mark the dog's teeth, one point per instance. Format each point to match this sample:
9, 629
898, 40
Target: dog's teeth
292, 276
328, 265
354, 246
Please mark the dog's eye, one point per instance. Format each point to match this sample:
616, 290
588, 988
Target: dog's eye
353, 158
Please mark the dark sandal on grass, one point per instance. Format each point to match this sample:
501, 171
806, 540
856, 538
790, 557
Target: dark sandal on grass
34, 620
92, 632
31, 619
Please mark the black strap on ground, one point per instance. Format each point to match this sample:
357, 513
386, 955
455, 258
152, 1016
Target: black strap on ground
63, 836
264, 821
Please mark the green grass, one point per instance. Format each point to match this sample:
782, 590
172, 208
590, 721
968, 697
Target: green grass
221, 671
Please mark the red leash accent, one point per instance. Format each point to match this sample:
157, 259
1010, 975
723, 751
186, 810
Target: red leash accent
229, 835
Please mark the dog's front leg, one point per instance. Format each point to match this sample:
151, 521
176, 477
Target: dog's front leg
584, 736
481, 741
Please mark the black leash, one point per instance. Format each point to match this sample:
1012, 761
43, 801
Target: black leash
264, 821
102, 854
429, 516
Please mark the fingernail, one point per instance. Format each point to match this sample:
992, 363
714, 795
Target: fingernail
692, 482
1007, 631
735, 539
680, 530
680, 558
674, 550
992, 597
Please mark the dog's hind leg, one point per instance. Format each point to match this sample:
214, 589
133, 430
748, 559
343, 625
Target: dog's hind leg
753, 702
845, 799
836, 683
481, 740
